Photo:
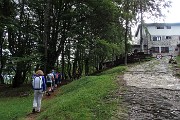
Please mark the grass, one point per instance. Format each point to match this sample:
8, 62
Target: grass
178, 60
12, 108
88, 98
12, 104
177, 74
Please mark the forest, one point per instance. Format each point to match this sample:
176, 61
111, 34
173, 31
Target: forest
70, 36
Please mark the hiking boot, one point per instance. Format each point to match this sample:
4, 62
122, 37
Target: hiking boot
38, 111
33, 111
48, 94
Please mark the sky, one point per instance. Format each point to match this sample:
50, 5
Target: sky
173, 15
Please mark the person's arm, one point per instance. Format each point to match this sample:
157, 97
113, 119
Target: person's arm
44, 83
53, 77
32, 84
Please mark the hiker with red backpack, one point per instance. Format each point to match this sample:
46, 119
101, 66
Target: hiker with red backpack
57, 79
39, 86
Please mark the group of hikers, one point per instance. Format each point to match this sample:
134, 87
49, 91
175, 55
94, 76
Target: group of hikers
53, 79
171, 60
43, 85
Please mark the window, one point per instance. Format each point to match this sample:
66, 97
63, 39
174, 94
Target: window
168, 37
160, 27
155, 49
168, 27
156, 38
164, 49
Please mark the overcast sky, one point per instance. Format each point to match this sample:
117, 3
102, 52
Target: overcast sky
173, 15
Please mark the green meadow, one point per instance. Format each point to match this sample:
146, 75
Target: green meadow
89, 98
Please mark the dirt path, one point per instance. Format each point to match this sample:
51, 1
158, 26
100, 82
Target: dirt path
32, 116
153, 93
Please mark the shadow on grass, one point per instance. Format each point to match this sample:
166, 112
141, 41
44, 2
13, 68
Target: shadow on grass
22, 91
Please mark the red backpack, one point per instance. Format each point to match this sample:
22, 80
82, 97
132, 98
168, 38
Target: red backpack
57, 75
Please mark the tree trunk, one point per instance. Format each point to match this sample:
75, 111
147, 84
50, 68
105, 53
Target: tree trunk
2, 63
69, 70
126, 33
75, 65
87, 66
63, 63
18, 78
1, 79
125, 42
80, 65
69, 61
46, 32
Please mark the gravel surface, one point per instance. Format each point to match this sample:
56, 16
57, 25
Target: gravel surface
153, 93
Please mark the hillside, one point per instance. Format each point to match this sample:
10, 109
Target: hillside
91, 97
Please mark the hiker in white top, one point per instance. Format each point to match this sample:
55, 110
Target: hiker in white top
53, 80
49, 82
39, 86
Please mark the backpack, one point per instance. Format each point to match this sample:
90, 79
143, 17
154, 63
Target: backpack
49, 77
37, 83
57, 75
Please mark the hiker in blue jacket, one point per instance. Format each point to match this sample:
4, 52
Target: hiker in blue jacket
39, 86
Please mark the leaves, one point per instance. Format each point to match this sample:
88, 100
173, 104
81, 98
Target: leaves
78, 31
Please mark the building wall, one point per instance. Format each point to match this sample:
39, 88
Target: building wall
171, 43
173, 31
164, 41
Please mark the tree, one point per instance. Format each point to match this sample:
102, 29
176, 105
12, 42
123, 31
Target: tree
46, 34
85, 34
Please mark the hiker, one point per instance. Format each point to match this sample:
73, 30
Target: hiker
57, 79
49, 82
53, 80
172, 60
159, 56
39, 87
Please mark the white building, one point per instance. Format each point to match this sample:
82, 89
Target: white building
159, 38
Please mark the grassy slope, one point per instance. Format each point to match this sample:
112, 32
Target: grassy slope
84, 99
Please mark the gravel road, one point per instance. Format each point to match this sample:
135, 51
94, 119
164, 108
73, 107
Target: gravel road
153, 92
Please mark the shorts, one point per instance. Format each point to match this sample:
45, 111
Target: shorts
56, 81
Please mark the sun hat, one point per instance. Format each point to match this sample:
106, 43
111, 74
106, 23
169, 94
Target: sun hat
39, 72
